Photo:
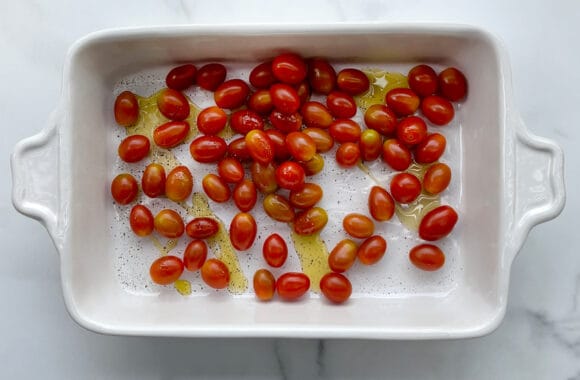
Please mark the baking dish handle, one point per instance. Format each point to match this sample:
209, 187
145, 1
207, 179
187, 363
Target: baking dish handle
34, 164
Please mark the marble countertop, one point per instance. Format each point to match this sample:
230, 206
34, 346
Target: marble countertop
540, 336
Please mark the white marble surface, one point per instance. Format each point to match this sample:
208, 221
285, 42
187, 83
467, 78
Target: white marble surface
540, 337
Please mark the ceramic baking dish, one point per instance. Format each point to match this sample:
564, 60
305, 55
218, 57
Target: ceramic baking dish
505, 182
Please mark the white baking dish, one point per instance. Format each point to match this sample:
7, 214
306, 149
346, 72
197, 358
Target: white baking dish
507, 181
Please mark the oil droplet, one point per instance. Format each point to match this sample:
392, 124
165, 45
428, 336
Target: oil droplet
163, 249
313, 256
183, 287
365, 169
227, 133
381, 83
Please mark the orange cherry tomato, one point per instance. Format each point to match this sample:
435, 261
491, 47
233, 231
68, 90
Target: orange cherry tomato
411, 130
438, 223
126, 109
207, 149
316, 115
181, 77
243, 231
452, 84
141, 220
303, 90
231, 170
342, 256
261, 102
231, 94
134, 148
403, 101
348, 154
405, 187
341, 105
212, 120
423, 80
372, 250
427, 257
437, 178
323, 140
437, 110
179, 184
173, 104
396, 154
216, 188
321, 76
314, 165
168, 223
370, 144
195, 255
279, 142
215, 274
124, 188
382, 119
153, 180
285, 98
352, 81
210, 76
262, 76
243, 121
238, 149
310, 221
202, 227
431, 149
166, 270
170, 134
264, 177
245, 195
290, 175
292, 285
335, 287
278, 208
260, 146
289, 68
275, 251
345, 130
358, 225
381, 204
286, 122
306, 197
301, 146
264, 284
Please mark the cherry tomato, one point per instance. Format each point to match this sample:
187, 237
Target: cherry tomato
243, 231
264, 284
289, 68
286, 122
335, 287
403, 101
285, 98
243, 121
345, 130
216, 188
342, 256
370, 144
126, 109
245, 195
352, 81
215, 274
381, 118
261, 102
262, 76
341, 105
452, 84
170, 134
423, 80
208, 149
437, 178
301, 146
405, 187
134, 148
372, 250
195, 255
381, 204
202, 227
168, 223
275, 250
264, 177
396, 154
310, 221
141, 220
438, 223
173, 104
316, 115
179, 184
231, 170
290, 175
181, 77
431, 149
124, 188
238, 149
166, 270
278, 208
411, 130
292, 285
231, 94
153, 180
314, 165
212, 120
309, 195
303, 91
358, 225
427, 257
260, 146
321, 76
437, 110
323, 140
210, 76
348, 154
279, 142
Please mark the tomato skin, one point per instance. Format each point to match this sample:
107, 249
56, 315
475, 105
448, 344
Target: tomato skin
215, 273
342, 256
348, 154
438, 223
403, 101
314, 165
285, 122
168, 223
124, 188
260, 146
301, 146
216, 188
423, 80
309, 195
243, 121
243, 230
427, 257
289, 68
264, 177
208, 149
170, 134
292, 285
285, 98
262, 76
303, 91
405, 187
195, 255
173, 104
261, 102
231, 170
181, 77
166, 270
179, 184
341, 105
452, 84
345, 130
381, 118
358, 225
238, 149
210, 76
264, 285
202, 228
212, 120
431, 149
245, 195
352, 81
134, 148
396, 154
153, 180
316, 115
437, 110
411, 130
323, 140
335, 287
321, 76
231, 94
141, 220
381, 204
290, 175
278, 208
437, 178
279, 142
371, 145
126, 109
275, 251
310, 221
372, 250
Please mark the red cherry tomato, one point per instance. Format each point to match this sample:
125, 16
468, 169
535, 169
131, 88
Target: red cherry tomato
262, 76
243, 121
181, 77
405, 187
292, 285
452, 84
431, 149
348, 154
289, 68
278, 208
323, 140
126, 109
216, 188
381, 204
381, 118
316, 115
195, 255
341, 105
310, 221
301, 146
261, 102
134, 148
403, 101
179, 184
173, 104
264, 177
166, 270
275, 250
437, 110
321, 76
358, 225
170, 134
141, 220
208, 149
372, 250
231, 170
290, 175
245, 195
423, 80
427, 257
153, 180
335, 287
215, 274
124, 188
342, 256
437, 178
212, 120
314, 165
285, 98
238, 149
286, 122
352, 81
438, 223
243, 231
279, 142
210, 76
260, 146
231, 94
411, 130
303, 91
264, 284
309, 195
396, 154
345, 130
202, 227
370, 144
168, 223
